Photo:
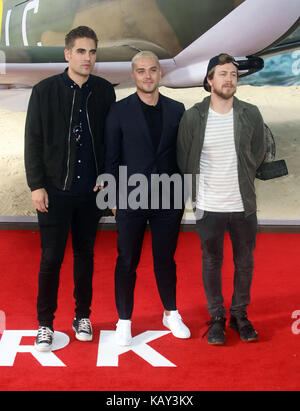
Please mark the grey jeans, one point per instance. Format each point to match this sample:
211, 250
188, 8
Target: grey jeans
242, 230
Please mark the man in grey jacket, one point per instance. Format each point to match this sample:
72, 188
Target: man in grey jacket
221, 144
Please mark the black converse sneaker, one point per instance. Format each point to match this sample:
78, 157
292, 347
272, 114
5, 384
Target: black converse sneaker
44, 339
83, 329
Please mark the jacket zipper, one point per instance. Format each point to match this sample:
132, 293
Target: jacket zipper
93, 144
69, 143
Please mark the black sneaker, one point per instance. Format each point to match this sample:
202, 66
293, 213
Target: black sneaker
83, 329
216, 331
244, 327
44, 339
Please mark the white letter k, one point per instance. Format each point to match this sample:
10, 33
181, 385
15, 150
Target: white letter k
109, 351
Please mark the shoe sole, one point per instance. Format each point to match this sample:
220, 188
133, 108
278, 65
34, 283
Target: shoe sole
40, 348
123, 344
216, 343
249, 340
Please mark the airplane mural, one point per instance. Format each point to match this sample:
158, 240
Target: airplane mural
184, 34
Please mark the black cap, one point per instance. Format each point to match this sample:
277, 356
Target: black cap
215, 61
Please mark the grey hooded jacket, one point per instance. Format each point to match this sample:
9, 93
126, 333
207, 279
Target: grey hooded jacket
250, 144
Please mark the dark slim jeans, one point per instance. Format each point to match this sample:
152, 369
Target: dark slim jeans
164, 225
211, 229
80, 215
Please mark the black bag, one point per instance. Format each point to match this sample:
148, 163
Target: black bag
274, 169
269, 168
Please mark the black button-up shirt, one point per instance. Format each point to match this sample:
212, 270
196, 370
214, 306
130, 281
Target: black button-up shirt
84, 178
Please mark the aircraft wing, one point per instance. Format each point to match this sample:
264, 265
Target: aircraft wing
288, 43
247, 29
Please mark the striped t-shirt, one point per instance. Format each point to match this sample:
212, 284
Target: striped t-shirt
218, 183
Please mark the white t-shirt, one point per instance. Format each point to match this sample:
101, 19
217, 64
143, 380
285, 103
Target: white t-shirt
218, 184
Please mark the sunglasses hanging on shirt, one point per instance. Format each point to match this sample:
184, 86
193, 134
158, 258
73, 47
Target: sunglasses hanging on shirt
77, 131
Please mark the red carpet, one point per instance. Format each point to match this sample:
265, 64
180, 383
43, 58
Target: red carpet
273, 363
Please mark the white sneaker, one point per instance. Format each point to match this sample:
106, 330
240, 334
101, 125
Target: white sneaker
123, 333
44, 339
174, 323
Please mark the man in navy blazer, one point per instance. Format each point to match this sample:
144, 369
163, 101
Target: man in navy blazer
141, 134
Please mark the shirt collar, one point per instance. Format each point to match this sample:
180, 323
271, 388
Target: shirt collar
70, 83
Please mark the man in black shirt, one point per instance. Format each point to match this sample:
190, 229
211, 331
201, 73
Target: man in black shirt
141, 133
64, 150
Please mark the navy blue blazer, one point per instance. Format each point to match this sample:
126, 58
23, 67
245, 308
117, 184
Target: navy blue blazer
128, 141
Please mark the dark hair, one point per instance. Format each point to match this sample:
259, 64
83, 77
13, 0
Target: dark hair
80, 32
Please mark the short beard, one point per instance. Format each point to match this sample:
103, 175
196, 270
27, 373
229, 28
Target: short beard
223, 95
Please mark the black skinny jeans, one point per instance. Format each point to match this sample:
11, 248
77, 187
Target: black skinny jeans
80, 215
211, 229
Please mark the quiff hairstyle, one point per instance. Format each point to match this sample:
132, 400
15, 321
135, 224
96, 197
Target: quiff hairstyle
144, 54
80, 32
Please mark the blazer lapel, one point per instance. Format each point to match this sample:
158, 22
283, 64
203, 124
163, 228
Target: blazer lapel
166, 119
